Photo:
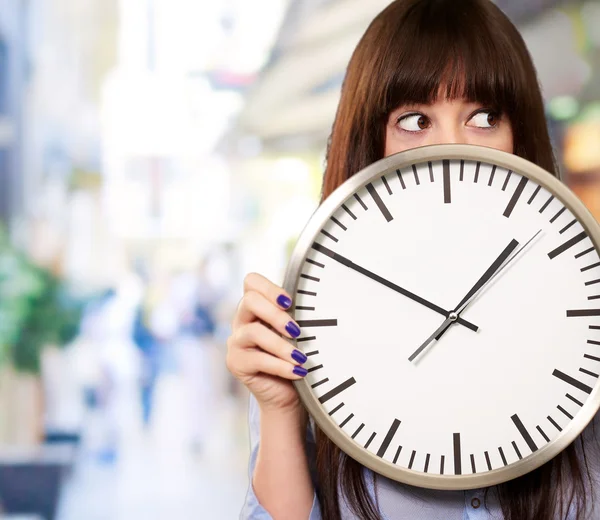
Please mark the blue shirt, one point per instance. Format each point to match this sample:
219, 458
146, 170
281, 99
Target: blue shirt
401, 502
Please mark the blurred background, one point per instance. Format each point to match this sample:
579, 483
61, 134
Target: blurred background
152, 152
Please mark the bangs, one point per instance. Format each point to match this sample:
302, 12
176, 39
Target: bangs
453, 51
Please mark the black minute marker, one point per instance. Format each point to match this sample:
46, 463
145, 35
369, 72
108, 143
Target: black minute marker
447, 190
337, 390
380, 204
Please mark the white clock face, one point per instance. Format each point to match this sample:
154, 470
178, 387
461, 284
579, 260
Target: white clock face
501, 386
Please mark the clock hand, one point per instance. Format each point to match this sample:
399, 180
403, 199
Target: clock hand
485, 278
481, 284
348, 263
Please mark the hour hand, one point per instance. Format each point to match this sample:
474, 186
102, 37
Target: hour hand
349, 263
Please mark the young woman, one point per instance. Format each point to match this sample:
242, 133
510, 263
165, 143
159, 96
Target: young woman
425, 72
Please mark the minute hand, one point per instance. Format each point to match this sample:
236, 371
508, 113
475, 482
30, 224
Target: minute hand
489, 275
481, 284
349, 263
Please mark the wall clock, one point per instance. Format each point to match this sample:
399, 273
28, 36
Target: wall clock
449, 300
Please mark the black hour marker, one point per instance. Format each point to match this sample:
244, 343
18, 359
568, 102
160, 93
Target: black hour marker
358, 430
360, 201
594, 327
397, 454
537, 190
345, 208
584, 269
311, 353
555, 424
399, 173
442, 459
447, 193
576, 401
317, 323
304, 308
492, 175
370, 440
592, 282
587, 372
553, 219
597, 297
336, 408
307, 277
508, 178
462, 170
426, 467
388, 438
308, 293
546, 204
412, 459
516, 195
473, 464
319, 383
457, 457
311, 261
593, 342
308, 338
431, 179
487, 460
564, 411
524, 433
593, 358
329, 235
572, 381
339, 223
583, 253
380, 204
568, 226
580, 313
387, 186
502, 455
542, 433
516, 448
346, 420
414, 169
312, 369
337, 390
567, 245
477, 172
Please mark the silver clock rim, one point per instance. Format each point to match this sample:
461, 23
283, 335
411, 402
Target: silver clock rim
317, 222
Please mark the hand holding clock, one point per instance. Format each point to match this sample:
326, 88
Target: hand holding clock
257, 351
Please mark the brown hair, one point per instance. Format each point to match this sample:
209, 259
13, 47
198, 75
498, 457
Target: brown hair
409, 51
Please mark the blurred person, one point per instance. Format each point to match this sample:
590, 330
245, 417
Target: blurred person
149, 348
196, 300
425, 72
111, 368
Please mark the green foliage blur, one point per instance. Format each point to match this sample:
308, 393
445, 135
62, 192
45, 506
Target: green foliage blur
36, 309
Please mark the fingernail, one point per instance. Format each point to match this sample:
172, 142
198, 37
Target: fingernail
299, 371
284, 301
299, 357
292, 329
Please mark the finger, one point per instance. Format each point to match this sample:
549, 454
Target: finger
258, 335
255, 306
253, 362
272, 292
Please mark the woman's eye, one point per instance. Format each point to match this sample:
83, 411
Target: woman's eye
485, 119
413, 122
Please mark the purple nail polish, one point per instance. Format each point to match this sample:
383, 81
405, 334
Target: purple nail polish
299, 371
299, 357
284, 301
292, 329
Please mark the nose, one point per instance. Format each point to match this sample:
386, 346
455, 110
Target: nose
450, 133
